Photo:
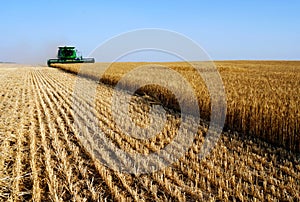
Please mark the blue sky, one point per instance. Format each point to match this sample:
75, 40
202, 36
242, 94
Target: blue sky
32, 30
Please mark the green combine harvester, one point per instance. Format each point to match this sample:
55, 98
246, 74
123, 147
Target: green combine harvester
68, 54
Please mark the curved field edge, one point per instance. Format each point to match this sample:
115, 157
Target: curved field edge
263, 97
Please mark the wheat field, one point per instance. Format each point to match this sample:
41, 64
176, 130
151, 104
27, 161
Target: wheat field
262, 97
42, 157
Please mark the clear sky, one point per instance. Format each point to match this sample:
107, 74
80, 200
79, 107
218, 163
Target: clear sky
257, 29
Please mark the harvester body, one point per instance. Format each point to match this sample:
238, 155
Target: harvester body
68, 54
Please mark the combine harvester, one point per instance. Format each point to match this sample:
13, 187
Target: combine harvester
68, 54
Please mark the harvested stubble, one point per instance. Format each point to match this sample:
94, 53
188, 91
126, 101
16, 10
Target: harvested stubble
42, 158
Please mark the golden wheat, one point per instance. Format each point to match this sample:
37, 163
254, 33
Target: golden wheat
262, 97
43, 157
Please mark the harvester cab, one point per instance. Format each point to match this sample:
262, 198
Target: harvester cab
68, 54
